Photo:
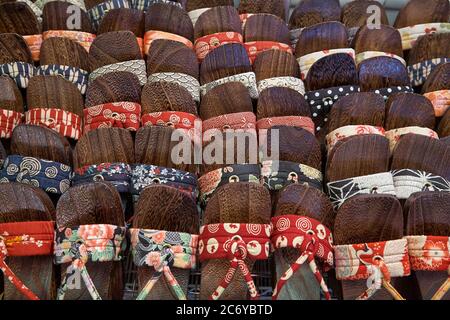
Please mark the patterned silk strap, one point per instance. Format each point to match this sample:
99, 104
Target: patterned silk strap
126, 115
9, 119
208, 43
236, 242
64, 122
256, 47
24, 239
312, 239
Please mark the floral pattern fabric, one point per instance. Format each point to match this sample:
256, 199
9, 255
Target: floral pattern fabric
20, 72
412, 33
51, 176
248, 79
394, 135
419, 72
136, 67
308, 60
64, 122
118, 174
311, 238
208, 43
125, 115
440, 100
291, 121
348, 131
84, 39
409, 181
360, 57
256, 47
284, 82
9, 119
77, 76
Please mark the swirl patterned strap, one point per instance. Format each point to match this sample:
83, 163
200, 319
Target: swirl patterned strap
136, 67
248, 79
125, 115
285, 82
311, 238
351, 130
51, 176
78, 3
119, 174
143, 176
411, 34
387, 92
145, 4
85, 39
321, 101
163, 250
34, 42
94, 243
236, 242
431, 253
99, 11
208, 43
377, 262
394, 135
238, 120
292, 121
152, 35
342, 190
186, 81
360, 57
308, 60
9, 119
255, 47
64, 122
20, 72
279, 174
440, 100
175, 119
195, 14
77, 76
212, 180
408, 181
419, 72
24, 239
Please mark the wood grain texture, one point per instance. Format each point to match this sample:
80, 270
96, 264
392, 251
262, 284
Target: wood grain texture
430, 46
409, 109
418, 12
56, 15
123, 19
10, 95
311, 12
266, 27
198, 4
275, 7
439, 79
65, 52
385, 39
17, 17
443, 129
218, 19
355, 13
14, 48
275, 63
279, 102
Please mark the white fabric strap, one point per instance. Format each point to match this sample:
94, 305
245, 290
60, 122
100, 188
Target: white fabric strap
248, 79
186, 81
285, 82
136, 67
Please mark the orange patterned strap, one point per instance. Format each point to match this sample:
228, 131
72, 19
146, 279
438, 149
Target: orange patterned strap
292, 121
351, 130
140, 42
208, 43
255, 47
152, 35
238, 120
440, 100
429, 253
125, 115
64, 122
34, 42
85, 39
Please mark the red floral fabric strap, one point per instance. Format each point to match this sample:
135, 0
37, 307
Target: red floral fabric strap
292, 121
377, 262
312, 239
8, 121
236, 242
125, 115
256, 47
175, 119
208, 43
24, 239
64, 122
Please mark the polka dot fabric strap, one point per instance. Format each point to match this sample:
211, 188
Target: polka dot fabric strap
360, 57
411, 34
9, 119
285, 82
97, 12
209, 182
377, 261
52, 177
394, 135
93, 243
440, 100
342, 190
311, 238
308, 60
136, 67
77, 76
248, 79
255, 47
85, 39
145, 4
20, 72
208, 43
118, 174
321, 101
163, 250
125, 115
175, 119
143, 176
387, 92
352, 130
292, 121
419, 72
152, 35
236, 242
409, 181
279, 174
34, 42
66, 123
24, 239
186, 81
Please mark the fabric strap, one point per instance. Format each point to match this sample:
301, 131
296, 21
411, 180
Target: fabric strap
163, 250
78, 3
360, 57
387, 92
136, 67
175, 119
248, 79
77, 246
311, 238
409, 181
208, 43
195, 14
255, 47
51, 176
152, 35
291, 121
308, 60
20, 72
145, 4
419, 72
236, 242
186, 81
34, 42
285, 82
394, 135
9, 119
238, 120
377, 262
118, 174
24, 239
125, 115
97, 12
36, 10
411, 34
342, 190
440, 100
64, 122
85, 39
77, 76
351, 130
244, 17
